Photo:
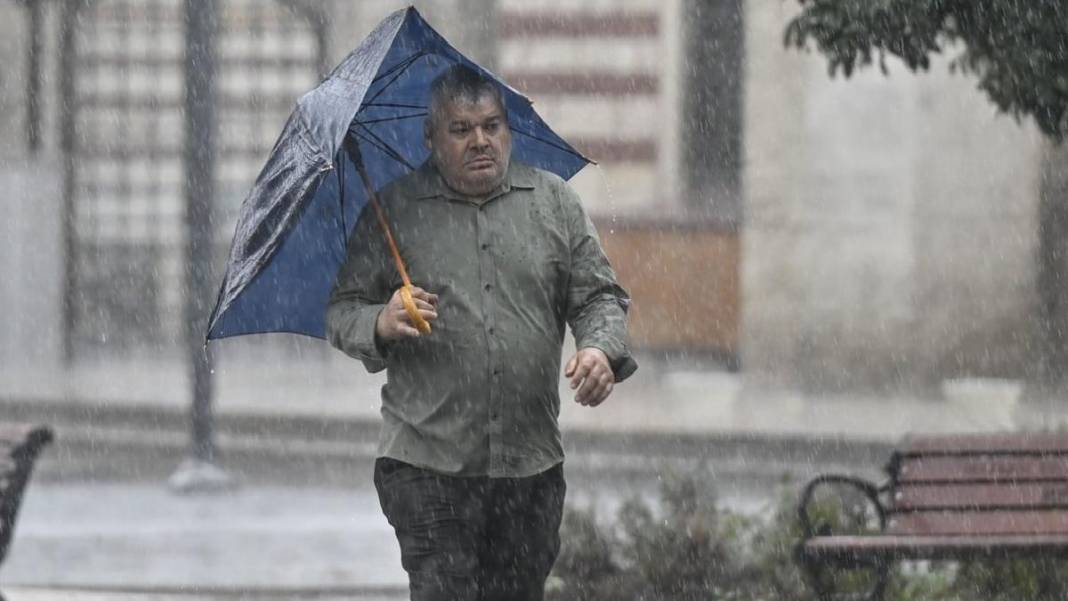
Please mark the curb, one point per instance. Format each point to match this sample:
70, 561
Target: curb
176, 592
105, 442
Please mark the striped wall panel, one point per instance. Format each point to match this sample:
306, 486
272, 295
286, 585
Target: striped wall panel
593, 74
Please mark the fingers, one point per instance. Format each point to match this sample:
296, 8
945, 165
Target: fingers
600, 393
395, 320
591, 376
582, 369
407, 330
427, 314
425, 309
595, 388
420, 294
422, 305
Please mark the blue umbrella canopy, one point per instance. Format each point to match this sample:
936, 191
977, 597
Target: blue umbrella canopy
293, 228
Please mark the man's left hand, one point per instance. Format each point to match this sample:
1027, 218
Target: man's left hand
591, 375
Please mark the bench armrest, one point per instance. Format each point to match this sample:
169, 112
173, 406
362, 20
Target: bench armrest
870, 490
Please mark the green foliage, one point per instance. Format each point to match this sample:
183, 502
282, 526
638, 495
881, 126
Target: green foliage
1043, 579
689, 549
1018, 49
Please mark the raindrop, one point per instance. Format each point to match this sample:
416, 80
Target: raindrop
611, 199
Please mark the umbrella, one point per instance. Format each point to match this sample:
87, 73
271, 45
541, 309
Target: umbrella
361, 127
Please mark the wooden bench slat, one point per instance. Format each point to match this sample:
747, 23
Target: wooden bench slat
983, 469
929, 547
1032, 442
976, 523
1039, 495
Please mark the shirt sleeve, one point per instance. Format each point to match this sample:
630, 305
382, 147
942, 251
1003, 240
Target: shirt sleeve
360, 292
596, 304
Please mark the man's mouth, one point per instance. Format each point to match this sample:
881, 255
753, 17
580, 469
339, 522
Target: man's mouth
481, 163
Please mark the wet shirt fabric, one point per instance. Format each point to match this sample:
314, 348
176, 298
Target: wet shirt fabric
479, 396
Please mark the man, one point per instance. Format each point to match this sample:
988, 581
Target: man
470, 471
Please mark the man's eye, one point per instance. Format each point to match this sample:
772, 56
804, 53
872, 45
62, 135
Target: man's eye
492, 127
460, 131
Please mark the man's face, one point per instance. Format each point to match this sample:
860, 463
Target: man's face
471, 145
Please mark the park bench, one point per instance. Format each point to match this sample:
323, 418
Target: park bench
19, 447
996, 496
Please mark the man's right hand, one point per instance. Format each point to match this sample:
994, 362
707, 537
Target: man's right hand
393, 321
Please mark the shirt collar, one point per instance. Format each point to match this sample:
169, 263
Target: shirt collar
430, 184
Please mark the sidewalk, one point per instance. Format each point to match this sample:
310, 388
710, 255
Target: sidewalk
63, 594
54, 594
138, 541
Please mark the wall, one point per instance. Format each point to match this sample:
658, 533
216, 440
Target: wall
889, 234
30, 230
683, 281
31, 261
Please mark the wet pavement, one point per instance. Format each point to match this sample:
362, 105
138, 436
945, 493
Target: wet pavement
139, 538
53, 594
119, 541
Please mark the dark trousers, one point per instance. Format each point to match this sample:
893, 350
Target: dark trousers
473, 539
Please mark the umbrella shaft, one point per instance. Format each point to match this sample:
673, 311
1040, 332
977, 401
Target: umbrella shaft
373, 199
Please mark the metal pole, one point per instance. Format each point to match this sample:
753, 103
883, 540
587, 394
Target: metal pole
33, 76
712, 139
68, 144
201, 18
199, 472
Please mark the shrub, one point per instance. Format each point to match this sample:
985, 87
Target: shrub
686, 547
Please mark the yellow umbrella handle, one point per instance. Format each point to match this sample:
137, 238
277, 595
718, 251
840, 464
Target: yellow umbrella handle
406, 289
409, 306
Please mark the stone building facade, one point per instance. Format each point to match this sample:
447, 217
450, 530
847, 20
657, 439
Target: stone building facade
832, 234
890, 232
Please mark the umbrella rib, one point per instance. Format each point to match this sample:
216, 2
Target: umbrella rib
386, 119
382, 145
385, 150
553, 144
401, 65
400, 71
390, 105
341, 204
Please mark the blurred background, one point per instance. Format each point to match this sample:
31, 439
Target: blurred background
818, 231
818, 266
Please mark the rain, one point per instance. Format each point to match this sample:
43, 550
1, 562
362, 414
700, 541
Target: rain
781, 284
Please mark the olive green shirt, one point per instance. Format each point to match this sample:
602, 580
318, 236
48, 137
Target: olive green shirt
480, 394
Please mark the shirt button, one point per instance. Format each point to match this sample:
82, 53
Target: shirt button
496, 371
485, 246
492, 330
489, 287
494, 416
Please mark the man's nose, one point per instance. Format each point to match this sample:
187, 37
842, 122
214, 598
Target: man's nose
480, 137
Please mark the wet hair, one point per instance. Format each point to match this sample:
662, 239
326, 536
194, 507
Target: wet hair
460, 82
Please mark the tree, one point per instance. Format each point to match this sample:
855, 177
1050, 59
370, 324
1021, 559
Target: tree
1018, 49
